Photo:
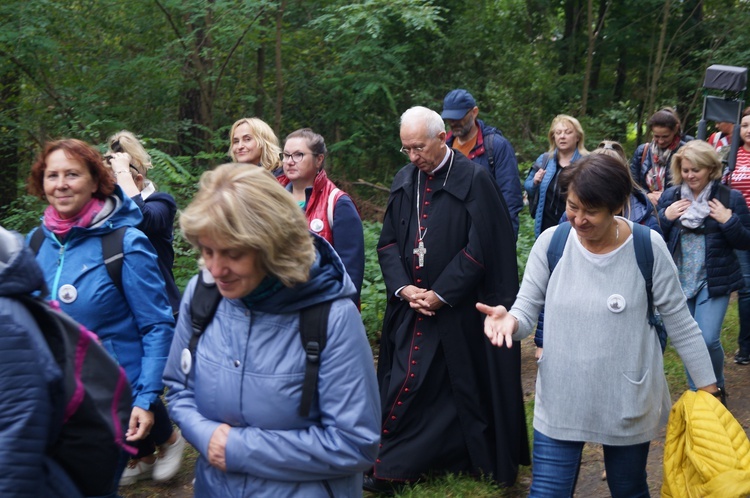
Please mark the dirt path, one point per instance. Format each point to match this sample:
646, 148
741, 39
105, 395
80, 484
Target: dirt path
590, 483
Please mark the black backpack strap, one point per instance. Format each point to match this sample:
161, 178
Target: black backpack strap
557, 245
113, 254
490, 152
35, 242
203, 306
313, 328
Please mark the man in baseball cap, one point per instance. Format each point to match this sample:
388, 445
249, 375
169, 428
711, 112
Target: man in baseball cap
484, 145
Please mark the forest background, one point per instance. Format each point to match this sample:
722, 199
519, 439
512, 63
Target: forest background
179, 72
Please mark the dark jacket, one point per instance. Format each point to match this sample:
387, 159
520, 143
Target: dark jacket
639, 169
506, 167
158, 211
31, 390
722, 267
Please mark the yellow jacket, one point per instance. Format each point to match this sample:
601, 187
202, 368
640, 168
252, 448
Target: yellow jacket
706, 453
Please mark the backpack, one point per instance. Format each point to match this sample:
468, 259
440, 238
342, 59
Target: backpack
534, 199
644, 255
313, 328
97, 400
111, 251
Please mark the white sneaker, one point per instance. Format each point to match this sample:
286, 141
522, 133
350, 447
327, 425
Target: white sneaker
168, 461
141, 470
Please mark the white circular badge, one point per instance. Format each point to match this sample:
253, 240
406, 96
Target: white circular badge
316, 225
616, 303
67, 294
186, 361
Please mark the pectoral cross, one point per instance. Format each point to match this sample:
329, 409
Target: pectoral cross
420, 251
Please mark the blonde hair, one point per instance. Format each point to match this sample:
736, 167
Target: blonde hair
564, 119
246, 208
267, 142
129, 143
701, 154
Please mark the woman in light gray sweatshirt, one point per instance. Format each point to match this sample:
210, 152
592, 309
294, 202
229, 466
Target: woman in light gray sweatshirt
600, 378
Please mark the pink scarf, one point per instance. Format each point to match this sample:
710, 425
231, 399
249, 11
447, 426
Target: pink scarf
61, 227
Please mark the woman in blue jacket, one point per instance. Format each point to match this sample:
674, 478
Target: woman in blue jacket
237, 393
703, 223
566, 146
134, 322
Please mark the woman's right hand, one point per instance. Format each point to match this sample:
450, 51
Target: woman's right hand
676, 209
499, 325
538, 176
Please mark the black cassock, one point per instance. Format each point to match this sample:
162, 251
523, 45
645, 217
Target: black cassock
451, 402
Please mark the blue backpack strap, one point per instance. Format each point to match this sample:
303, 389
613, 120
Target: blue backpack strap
557, 245
644, 255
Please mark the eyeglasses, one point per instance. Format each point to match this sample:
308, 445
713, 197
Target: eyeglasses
295, 156
407, 151
610, 145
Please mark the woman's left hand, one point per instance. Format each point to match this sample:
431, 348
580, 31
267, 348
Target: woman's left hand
719, 212
120, 162
217, 447
140, 425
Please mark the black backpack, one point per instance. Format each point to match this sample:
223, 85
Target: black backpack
97, 400
313, 328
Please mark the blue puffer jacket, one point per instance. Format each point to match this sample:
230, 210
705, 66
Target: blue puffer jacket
247, 372
549, 174
722, 267
639, 167
31, 391
137, 328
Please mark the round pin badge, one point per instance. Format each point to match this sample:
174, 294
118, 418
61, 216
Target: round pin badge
186, 361
616, 303
316, 225
67, 293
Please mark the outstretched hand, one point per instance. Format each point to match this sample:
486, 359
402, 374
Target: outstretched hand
499, 325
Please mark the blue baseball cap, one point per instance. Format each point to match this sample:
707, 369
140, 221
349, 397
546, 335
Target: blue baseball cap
457, 103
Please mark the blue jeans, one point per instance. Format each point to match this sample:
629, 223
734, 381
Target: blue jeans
556, 464
743, 303
709, 313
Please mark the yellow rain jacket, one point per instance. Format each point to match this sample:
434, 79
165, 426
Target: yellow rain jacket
706, 453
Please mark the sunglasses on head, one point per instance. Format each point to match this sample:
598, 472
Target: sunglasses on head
608, 144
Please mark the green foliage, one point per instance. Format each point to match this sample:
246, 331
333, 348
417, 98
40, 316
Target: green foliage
24, 214
373, 287
525, 241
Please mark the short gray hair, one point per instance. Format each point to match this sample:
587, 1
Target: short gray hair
428, 118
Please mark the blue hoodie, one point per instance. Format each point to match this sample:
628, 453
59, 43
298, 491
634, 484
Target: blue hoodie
247, 372
137, 328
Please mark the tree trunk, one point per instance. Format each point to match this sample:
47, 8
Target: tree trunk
9, 140
589, 55
260, 72
653, 87
279, 73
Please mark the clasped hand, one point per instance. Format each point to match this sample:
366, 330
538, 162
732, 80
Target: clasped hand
499, 325
421, 300
718, 211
